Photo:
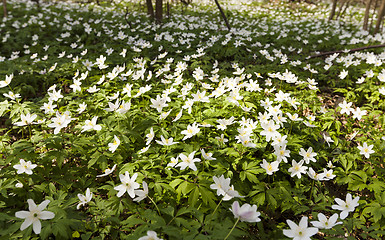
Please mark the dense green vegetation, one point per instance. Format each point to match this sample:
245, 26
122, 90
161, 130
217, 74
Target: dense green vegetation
121, 128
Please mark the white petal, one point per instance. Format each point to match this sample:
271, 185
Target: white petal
43, 205
31, 205
322, 217
47, 215
344, 214
26, 223
37, 226
235, 209
291, 224
289, 233
311, 231
22, 214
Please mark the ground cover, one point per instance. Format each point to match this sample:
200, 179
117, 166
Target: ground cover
113, 127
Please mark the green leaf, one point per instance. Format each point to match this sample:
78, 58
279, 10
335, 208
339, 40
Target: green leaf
194, 195
76, 234
4, 106
176, 182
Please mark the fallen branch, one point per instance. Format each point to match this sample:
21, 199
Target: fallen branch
126, 16
223, 15
345, 51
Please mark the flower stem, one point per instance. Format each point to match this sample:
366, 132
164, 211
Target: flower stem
212, 215
311, 190
154, 204
29, 130
232, 229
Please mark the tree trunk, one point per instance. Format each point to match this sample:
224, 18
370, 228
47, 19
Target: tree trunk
373, 13
341, 14
150, 9
159, 11
380, 17
223, 15
168, 9
367, 12
5, 8
340, 8
333, 11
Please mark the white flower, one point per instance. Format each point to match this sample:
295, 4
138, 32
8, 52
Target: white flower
24, 167
59, 122
327, 139
128, 184
358, 113
348, 206
325, 223
150, 136
190, 131
114, 145
178, 116
159, 103
124, 107
343, 74
245, 213
11, 95
297, 169
54, 95
166, 142
223, 123
281, 153
294, 117
34, 215
308, 155
188, 161
151, 235
300, 231
84, 199
222, 185
164, 115
173, 162
93, 89
328, 174
270, 167
308, 124
91, 124
315, 176
222, 139
7, 81
144, 149
81, 108
382, 90
48, 107
113, 106
246, 141
269, 130
107, 171
76, 85
141, 194
346, 107
26, 119
207, 156
366, 150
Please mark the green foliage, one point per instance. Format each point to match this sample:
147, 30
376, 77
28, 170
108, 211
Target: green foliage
264, 58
